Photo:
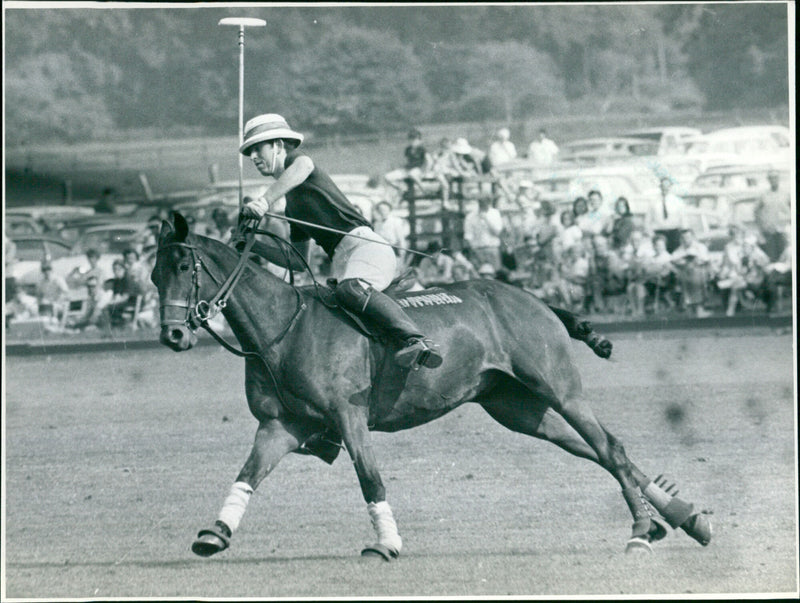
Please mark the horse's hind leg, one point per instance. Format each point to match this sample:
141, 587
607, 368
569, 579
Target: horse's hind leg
274, 439
609, 452
521, 413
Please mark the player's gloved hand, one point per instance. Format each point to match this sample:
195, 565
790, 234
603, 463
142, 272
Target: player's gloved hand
255, 208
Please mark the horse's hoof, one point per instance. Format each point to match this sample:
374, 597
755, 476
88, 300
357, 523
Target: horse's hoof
638, 545
212, 541
379, 551
699, 528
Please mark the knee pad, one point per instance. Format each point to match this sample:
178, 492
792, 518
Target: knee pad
353, 293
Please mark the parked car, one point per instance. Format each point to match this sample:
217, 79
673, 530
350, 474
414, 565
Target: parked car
32, 250
737, 146
742, 178
595, 151
19, 225
670, 139
51, 212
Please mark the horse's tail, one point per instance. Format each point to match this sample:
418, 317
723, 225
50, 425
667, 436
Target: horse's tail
582, 331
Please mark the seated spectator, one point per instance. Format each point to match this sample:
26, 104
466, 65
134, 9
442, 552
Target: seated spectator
620, 226
52, 292
482, 229
690, 260
731, 276
638, 254
125, 290
597, 215
461, 273
436, 270
543, 151
81, 274
580, 207
468, 161
574, 271
487, 271
20, 305
96, 299
571, 233
443, 167
460, 259
660, 275
527, 196
755, 261
607, 275
502, 150
392, 228
417, 162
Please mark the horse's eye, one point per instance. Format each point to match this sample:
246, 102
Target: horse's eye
184, 267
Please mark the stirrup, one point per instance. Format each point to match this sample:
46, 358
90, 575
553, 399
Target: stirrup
419, 352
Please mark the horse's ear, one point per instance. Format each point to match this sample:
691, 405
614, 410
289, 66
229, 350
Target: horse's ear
166, 230
181, 228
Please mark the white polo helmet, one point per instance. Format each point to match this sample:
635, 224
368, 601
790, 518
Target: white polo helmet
268, 126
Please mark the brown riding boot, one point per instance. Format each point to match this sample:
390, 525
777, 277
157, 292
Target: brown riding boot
382, 311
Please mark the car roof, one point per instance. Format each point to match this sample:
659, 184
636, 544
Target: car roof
743, 131
40, 237
117, 226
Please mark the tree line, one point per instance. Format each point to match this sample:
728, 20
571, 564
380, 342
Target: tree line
91, 74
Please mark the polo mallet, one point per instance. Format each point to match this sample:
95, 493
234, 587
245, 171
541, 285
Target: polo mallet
241, 22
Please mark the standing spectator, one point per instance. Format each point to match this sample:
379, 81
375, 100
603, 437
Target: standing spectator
669, 217
124, 290
527, 195
81, 274
135, 269
148, 239
417, 162
691, 268
779, 275
107, 202
502, 150
773, 213
542, 151
620, 227
392, 228
9, 259
482, 229
97, 298
755, 262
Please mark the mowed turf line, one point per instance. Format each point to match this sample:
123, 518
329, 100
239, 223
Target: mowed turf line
115, 460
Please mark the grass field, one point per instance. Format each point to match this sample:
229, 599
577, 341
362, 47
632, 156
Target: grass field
115, 460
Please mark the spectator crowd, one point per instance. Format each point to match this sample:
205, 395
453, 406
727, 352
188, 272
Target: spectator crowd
593, 257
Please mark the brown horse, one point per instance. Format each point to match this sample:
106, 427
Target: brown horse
313, 380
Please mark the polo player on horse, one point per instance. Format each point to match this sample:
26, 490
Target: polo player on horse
363, 265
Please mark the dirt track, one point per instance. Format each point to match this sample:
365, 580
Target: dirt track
114, 461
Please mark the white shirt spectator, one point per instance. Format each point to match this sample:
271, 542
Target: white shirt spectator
482, 228
502, 150
543, 151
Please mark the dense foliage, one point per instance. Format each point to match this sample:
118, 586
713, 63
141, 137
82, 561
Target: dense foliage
82, 74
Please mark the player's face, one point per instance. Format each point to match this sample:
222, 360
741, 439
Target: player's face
264, 156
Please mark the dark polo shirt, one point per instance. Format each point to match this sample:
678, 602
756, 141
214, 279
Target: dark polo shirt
319, 201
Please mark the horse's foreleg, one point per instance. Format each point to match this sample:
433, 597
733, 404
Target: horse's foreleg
272, 442
352, 423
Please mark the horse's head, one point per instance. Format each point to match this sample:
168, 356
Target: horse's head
176, 275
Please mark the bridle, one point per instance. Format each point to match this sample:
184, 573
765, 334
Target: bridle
200, 311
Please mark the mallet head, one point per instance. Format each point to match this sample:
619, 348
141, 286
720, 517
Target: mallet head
242, 22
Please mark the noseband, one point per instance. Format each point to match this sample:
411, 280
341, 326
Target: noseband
198, 311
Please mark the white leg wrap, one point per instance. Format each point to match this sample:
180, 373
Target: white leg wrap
657, 496
235, 505
385, 526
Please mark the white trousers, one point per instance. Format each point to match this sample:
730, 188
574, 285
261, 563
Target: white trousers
371, 261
